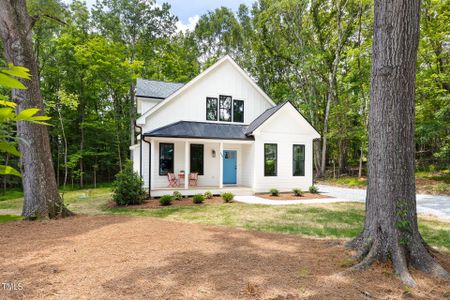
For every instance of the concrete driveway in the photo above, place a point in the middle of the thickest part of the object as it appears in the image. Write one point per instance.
(438, 206)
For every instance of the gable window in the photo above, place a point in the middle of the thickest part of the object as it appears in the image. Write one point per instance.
(238, 111)
(270, 159)
(225, 108)
(298, 160)
(211, 109)
(197, 158)
(166, 151)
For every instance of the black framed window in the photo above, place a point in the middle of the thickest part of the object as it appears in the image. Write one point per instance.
(225, 103)
(270, 159)
(238, 111)
(197, 151)
(298, 160)
(211, 109)
(166, 154)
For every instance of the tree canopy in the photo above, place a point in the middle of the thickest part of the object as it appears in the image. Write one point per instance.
(316, 54)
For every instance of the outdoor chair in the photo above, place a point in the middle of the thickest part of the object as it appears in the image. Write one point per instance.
(173, 181)
(193, 177)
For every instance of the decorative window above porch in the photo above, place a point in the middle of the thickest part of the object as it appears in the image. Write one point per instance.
(225, 108)
(211, 109)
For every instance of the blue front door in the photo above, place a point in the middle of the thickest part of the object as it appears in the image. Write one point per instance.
(229, 166)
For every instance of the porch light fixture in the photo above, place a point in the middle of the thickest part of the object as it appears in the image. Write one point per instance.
(213, 153)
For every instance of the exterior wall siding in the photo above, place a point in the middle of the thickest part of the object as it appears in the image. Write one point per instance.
(191, 104)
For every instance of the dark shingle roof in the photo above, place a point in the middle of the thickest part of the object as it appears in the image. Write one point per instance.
(262, 118)
(156, 89)
(201, 130)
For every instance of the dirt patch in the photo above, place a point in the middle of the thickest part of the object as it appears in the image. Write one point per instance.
(154, 203)
(102, 257)
(290, 196)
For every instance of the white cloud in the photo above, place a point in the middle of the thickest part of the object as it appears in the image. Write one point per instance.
(192, 21)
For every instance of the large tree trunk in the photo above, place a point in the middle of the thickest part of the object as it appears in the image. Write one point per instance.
(41, 197)
(390, 229)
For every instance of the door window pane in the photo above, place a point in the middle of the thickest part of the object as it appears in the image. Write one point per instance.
(166, 152)
(270, 159)
(299, 160)
(225, 108)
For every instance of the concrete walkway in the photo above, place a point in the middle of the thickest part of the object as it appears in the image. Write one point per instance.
(438, 206)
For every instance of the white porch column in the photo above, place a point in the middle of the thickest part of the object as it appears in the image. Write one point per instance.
(152, 164)
(221, 165)
(187, 167)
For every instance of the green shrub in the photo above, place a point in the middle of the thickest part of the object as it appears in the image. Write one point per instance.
(208, 195)
(274, 192)
(177, 195)
(166, 200)
(198, 199)
(227, 197)
(127, 187)
(297, 192)
(313, 189)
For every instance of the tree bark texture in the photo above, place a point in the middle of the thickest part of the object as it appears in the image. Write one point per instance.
(390, 229)
(41, 197)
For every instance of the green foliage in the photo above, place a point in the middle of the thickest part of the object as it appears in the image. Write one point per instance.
(127, 187)
(313, 189)
(274, 192)
(208, 195)
(198, 199)
(227, 197)
(298, 192)
(177, 195)
(166, 200)
(8, 115)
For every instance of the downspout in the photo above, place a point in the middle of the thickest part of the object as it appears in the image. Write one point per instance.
(140, 148)
(149, 159)
(149, 166)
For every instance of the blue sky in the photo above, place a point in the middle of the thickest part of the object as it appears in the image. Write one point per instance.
(189, 11)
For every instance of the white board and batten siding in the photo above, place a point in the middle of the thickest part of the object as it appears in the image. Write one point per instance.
(190, 104)
(285, 129)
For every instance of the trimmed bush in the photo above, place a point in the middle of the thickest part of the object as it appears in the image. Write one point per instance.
(177, 195)
(313, 189)
(227, 197)
(166, 200)
(127, 187)
(208, 195)
(274, 192)
(297, 192)
(198, 199)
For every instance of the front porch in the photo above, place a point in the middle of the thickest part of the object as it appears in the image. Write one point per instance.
(222, 166)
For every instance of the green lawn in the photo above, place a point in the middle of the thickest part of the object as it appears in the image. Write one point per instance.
(7, 218)
(13, 194)
(338, 220)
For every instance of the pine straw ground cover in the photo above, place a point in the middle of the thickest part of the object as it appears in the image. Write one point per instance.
(176, 257)
(110, 257)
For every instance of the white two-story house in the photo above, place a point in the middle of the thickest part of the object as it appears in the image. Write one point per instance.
(224, 129)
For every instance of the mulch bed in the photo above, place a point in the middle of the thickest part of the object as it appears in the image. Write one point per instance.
(290, 196)
(121, 257)
(154, 203)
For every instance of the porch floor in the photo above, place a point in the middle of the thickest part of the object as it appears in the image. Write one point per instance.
(238, 190)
